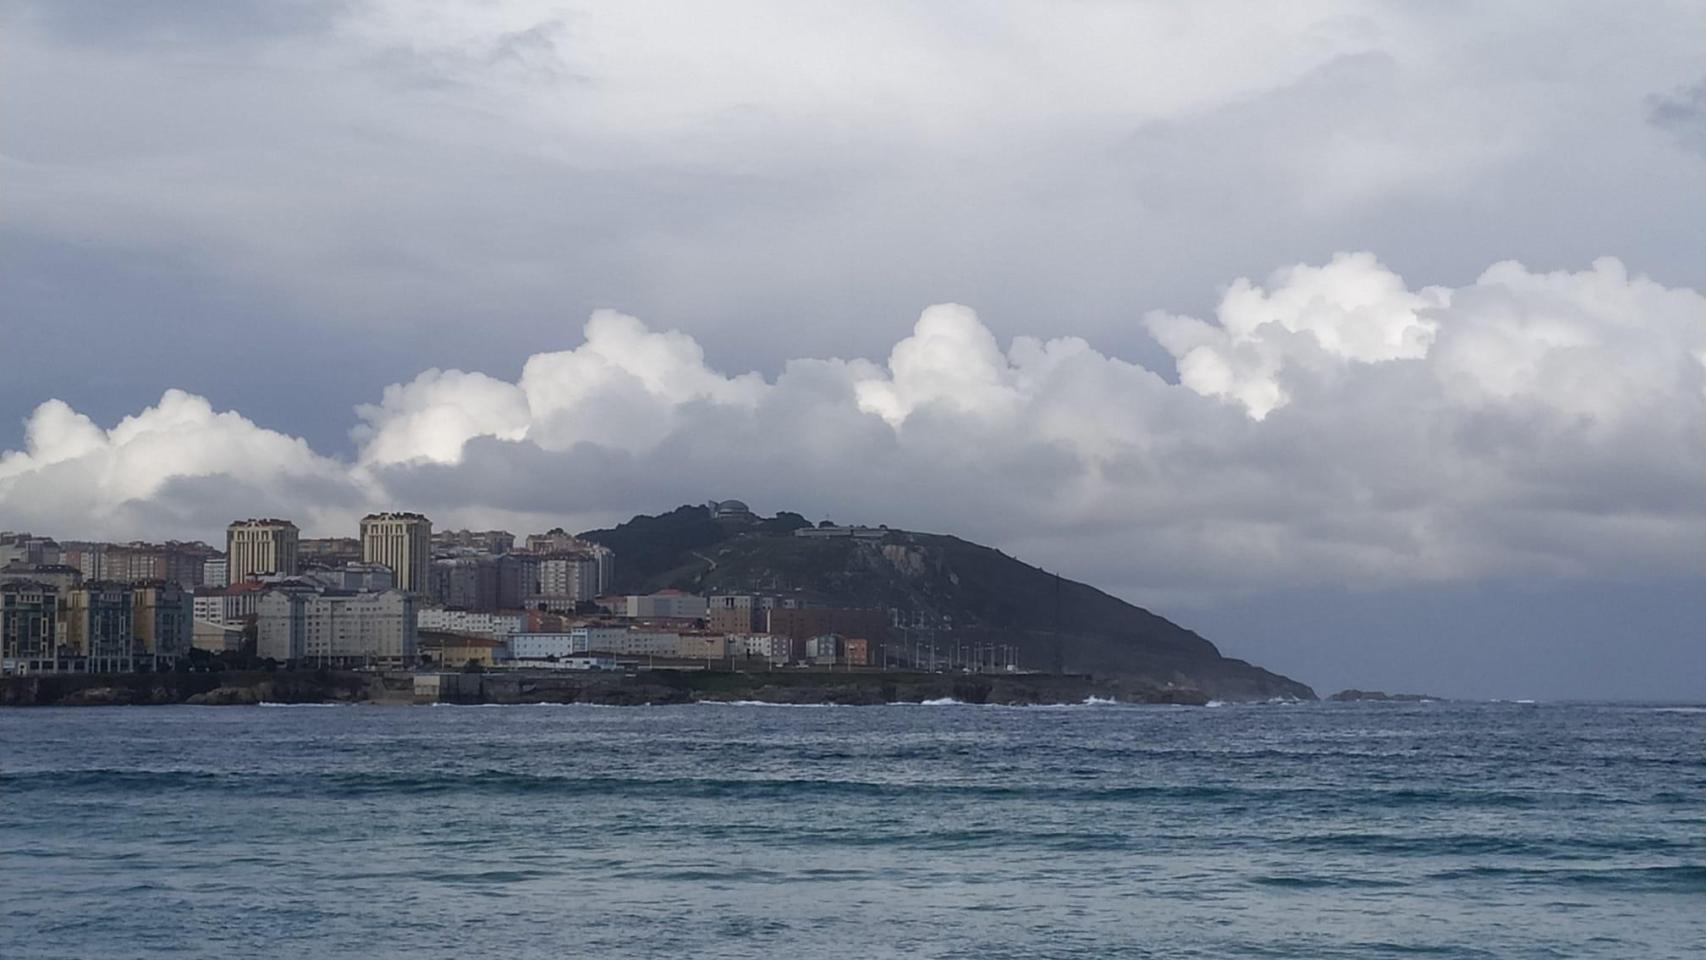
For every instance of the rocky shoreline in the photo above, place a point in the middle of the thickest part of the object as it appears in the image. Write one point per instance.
(613, 689)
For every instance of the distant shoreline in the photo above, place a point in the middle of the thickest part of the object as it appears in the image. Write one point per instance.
(639, 688)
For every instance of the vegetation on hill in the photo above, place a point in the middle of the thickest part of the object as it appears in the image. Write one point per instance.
(941, 589)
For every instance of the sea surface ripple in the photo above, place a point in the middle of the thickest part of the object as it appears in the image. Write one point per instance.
(1309, 830)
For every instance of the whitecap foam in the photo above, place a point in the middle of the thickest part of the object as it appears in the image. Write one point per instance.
(761, 703)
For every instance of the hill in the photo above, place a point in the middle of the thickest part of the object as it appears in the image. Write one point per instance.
(942, 589)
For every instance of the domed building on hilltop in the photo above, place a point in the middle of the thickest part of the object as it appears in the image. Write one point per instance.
(732, 511)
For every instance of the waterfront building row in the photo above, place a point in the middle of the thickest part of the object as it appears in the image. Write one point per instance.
(697, 645)
(96, 627)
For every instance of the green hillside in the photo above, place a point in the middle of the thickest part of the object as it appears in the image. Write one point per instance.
(940, 588)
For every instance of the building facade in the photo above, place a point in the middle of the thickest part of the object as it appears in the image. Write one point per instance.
(730, 511)
(739, 612)
(643, 643)
(226, 604)
(163, 617)
(494, 542)
(805, 622)
(467, 579)
(616, 640)
(355, 629)
(216, 637)
(354, 576)
(477, 623)
(60, 576)
(328, 551)
(856, 651)
(665, 604)
(97, 626)
(255, 547)
(17, 547)
(171, 562)
(542, 646)
(563, 581)
(516, 575)
(709, 645)
(453, 651)
(401, 541)
(763, 646)
(29, 635)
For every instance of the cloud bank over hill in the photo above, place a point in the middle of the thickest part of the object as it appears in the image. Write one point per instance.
(1331, 424)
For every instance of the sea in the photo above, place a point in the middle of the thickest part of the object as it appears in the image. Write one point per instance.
(1310, 830)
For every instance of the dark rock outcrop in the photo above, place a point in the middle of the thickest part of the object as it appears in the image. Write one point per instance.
(141, 689)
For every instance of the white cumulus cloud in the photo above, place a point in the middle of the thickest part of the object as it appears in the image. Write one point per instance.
(73, 476)
(1333, 424)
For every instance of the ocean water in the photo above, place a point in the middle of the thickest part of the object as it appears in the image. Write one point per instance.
(1319, 830)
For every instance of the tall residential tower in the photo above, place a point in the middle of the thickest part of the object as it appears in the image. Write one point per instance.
(401, 541)
(259, 546)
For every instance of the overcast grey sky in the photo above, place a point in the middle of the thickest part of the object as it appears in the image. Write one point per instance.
(1364, 337)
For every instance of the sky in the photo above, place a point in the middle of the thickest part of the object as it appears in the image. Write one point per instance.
(1365, 338)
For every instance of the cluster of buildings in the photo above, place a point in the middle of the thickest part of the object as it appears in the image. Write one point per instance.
(77, 607)
(400, 594)
(670, 627)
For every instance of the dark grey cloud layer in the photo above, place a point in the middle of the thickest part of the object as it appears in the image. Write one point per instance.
(126, 23)
(1683, 114)
(447, 187)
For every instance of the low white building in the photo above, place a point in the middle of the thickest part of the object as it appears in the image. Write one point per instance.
(581, 661)
(541, 646)
(667, 604)
(225, 604)
(620, 641)
(763, 646)
(497, 625)
(833, 532)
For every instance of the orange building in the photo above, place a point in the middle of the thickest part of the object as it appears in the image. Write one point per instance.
(856, 651)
